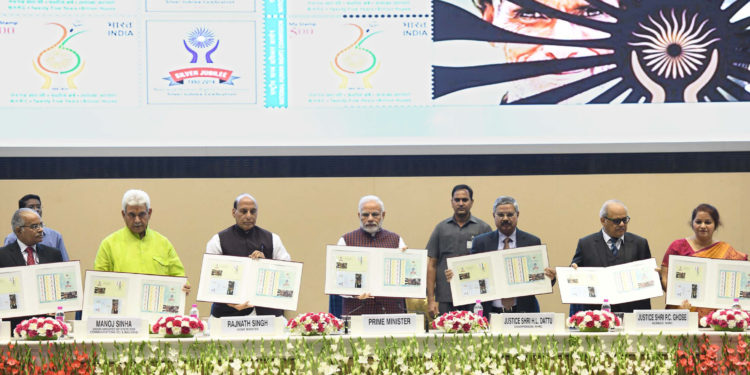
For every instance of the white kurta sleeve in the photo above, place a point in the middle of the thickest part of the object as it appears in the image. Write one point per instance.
(401, 243)
(214, 245)
(279, 252)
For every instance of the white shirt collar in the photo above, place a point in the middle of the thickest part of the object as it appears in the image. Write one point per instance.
(608, 237)
(23, 246)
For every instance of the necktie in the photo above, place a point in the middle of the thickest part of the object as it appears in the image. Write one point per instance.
(613, 246)
(30, 256)
(507, 302)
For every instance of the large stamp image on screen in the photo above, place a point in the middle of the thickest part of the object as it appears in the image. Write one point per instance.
(595, 51)
(201, 62)
(58, 61)
(359, 61)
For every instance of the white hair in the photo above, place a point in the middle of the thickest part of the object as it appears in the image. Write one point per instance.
(605, 206)
(371, 198)
(17, 220)
(244, 195)
(135, 197)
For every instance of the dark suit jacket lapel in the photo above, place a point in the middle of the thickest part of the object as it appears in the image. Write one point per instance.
(605, 253)
(492, 238)
(522, 238)
(15, 254)
(626, 248)
(44, 254)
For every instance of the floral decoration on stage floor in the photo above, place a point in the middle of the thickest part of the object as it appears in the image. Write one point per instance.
(460, 322)
(309, 324)
(177, 326)
(41, 328)
(727, 320)
(594, 321)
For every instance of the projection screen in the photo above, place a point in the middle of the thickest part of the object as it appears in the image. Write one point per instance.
(365, 77)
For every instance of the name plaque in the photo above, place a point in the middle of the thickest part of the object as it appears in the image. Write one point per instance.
(527, 322)
(111, 326)
(387, 323)
(660, 320)
(250, 325)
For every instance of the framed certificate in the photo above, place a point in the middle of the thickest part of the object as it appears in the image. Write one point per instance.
(499, 274)
(262, 282)
(40, 289)
(619, 284)
(705, 282)
(133, 295)
(382, 272)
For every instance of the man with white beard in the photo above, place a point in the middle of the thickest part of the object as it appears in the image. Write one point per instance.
(371, 214)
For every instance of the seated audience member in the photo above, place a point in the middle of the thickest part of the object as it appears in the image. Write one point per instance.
(52, 238)
(246, 239)
(704, 221)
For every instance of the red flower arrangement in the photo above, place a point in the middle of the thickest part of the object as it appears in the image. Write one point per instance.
(41, 328)
(177, 326)
(593, 321)
(314, 324)
(727, 320)
(460, 322)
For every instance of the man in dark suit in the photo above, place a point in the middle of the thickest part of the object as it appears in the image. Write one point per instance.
(27, 250)
(507, 236)
(609, 247)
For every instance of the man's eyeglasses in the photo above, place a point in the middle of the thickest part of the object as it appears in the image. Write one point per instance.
(34, 226)
(373, 214)
(619, 221)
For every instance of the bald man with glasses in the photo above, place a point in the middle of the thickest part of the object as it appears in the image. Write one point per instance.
(610, 246)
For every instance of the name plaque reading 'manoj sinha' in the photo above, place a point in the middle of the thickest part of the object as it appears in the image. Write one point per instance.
(527, 322)
(387, 323)
(120, 327)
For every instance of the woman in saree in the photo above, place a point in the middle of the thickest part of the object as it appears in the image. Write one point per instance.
(704, 221)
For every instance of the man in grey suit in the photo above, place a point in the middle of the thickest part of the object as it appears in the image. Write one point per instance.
(27, 250)
(507, 236)
(609, 247)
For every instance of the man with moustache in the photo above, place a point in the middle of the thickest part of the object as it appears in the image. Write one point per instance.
(451, 237)
(507, 236)
(136, 248)
(609, 247)
(27, 225)
(246, 239)
(371, 214)
(52, 238)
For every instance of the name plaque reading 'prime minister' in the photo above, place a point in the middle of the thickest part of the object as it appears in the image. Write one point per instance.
(387, 323)
(121, 327)
(527, 322)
